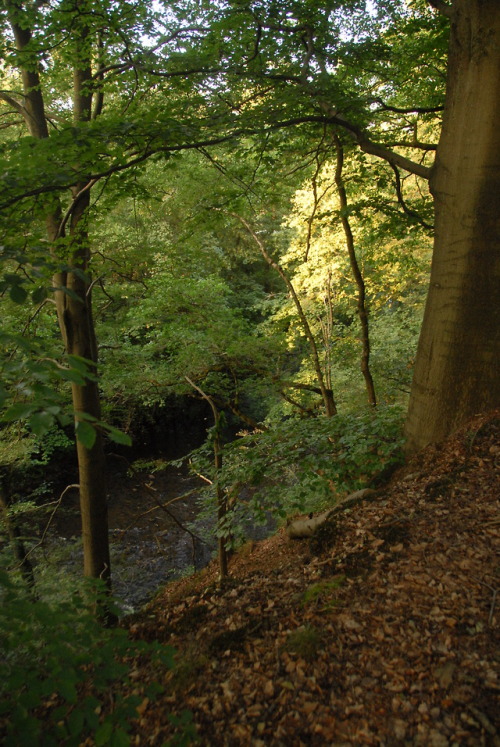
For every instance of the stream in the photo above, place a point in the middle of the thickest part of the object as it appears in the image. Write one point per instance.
(149, 545)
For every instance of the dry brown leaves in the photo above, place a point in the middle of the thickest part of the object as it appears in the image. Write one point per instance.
(388, 637)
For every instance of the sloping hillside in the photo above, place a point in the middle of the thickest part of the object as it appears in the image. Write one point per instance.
(383, 629)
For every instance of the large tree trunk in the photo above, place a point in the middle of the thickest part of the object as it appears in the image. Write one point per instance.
(457, 367)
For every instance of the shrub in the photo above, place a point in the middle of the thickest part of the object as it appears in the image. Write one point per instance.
(59, 672)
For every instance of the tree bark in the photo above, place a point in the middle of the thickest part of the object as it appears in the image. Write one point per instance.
(357, 274)
(457, 366)
(74, 310)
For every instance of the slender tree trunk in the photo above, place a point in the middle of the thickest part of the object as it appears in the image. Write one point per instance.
(14, 534)
(79, 332)
(356, 271)
(222, 503)
(74, 309)
(326, 393)
(457, 370)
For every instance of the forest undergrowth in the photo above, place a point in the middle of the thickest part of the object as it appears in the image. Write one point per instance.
(381, 630)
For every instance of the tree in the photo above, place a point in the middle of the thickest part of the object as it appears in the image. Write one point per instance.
(456, 371)
(56, 87)
(73, 287)
(73, 70)
(362, 312)
(350, 78)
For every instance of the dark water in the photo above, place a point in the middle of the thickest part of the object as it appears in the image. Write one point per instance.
(149, 545)
(157, 528)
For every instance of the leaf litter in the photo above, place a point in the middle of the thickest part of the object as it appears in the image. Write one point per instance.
(387, 636)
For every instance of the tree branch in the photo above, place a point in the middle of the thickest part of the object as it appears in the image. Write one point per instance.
(376, 149)
(403, 204)
(411, 110)
(328, 399)
(331, 117)
(11, 101)
(442, 7)
(412, 144)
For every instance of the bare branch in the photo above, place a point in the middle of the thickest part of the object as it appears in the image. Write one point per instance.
(376, 149)
(51, 517)
(328, 399)
(411, 110)
(412, 144)
(69, 211)
(11, 101)
(163, 507)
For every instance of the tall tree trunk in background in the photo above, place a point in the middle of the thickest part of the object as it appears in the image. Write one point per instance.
(74, 308)
(457, 371)
(356, 271)
(77, 327)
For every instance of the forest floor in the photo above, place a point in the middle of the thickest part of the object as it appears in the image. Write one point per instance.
(382, 630)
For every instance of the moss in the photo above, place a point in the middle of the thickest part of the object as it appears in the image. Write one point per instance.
(321, 592)
(305, 642)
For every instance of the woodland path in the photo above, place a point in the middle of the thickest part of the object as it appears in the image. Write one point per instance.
(383, 631)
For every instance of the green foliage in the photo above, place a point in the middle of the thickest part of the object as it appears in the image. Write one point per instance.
(305, 464)
(300, 465)
(31, 392)
(215, 112)
(53, 442)
(187, 733)
(59, 672)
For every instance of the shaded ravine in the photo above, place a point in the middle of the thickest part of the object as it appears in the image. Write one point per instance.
(148, 546)
(151, 545)
(156, 535)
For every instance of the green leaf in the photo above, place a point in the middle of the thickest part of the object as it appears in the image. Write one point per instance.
(87, 417)
(104, 733)
(69, 374)
(18, 411)
(80, 363)
(86, 434)
(39, 294)
(18, 294)
(119, 437)
(119, 738)
(67, 689)
(41, 422)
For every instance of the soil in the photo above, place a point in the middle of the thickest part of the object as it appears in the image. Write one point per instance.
(384, 633)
